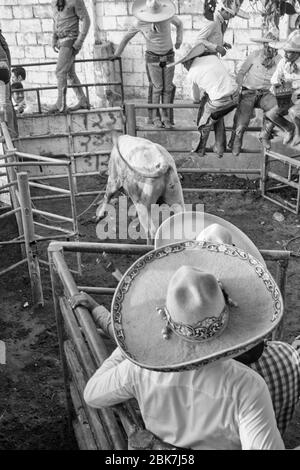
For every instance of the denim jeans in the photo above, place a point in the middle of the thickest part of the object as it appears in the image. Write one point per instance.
(249, 100)
(161, 78)
(65, 69)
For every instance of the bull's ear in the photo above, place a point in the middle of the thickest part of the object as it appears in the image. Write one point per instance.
(209, 9)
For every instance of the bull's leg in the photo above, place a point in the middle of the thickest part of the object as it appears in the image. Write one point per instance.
(111, 189)
(144, 214)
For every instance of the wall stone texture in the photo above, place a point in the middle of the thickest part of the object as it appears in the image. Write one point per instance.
(27, 26)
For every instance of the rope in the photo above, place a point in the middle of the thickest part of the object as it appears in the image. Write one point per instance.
(286, 246)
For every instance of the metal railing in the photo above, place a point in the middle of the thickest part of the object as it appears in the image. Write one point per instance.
(87, 86)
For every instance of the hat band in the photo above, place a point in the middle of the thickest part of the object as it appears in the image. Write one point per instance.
(205, 330)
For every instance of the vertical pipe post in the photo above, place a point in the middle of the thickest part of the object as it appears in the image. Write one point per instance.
(29, 238)
(74, 215)
(130, 115)
(60, 334)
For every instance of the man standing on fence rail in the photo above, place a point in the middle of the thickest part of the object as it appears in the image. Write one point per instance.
(154, 19)
(67, 41)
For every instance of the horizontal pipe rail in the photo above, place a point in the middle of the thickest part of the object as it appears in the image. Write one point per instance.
(66, 134)
(49, 188)
(52, 216)
(7, 214)
(77, 61)
(97, 290)
(51, 227)
(41, 158)
(13, 266)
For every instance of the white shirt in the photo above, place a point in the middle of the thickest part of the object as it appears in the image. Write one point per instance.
(253, 74)
(282, 73)
(210, 74)
(226, 404)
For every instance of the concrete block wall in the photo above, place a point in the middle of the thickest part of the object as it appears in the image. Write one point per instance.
(27, 26)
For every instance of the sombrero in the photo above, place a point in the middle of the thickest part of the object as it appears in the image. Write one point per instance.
(188, 225)
(159, 308)
(153, 11)
(268, 37)
(233, 7)
(292, 44)
(196, 51)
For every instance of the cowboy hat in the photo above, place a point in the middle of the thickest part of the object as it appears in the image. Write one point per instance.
(196, 51)
(292, 44)
(190, 225)
(267, 37)
(233, 7)
(169, 314)
(153, 11)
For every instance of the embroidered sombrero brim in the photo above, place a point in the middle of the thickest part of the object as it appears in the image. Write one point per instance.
(187, 226)
(142, 290)
(285, 45)
(263, 40)
(167, 11)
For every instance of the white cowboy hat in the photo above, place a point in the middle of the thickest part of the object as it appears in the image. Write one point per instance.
(196, 51)
(193, 303)
(233, 7)
(267, 37)
(292, 44)
(153, 11)
(197, 225)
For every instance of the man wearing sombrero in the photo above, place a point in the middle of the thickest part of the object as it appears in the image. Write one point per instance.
(154, 20)
(254, 79)
(179, 316)
(288, 74)
(277, 362)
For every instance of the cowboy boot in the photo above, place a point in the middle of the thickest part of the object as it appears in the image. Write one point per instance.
(267, 134)
(61, 104)
(284, 124)
(238, 141)
(220, 138)
(204, 134)
(296, 140)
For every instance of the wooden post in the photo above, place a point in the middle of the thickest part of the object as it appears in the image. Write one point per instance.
(130, 116)
(29, 238)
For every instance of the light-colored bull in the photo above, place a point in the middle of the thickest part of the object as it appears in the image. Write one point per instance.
(147, 173)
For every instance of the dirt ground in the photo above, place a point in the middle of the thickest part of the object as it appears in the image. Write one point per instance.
(32, 400)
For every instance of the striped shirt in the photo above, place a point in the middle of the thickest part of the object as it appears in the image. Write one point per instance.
(279, 365)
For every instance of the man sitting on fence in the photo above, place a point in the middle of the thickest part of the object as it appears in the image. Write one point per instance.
(154, 20)
(286, 78)
(67, 41)
(7, 112)
(215, 91)
(177, 332)
(277, 362)
(254, 78)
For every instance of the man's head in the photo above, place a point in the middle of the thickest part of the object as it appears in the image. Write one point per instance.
(291, 56)
(226, 14)
(18, 74)
(17, 92)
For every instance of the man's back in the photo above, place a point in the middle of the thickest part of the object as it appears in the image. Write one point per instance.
(223, 405)
(210, 74)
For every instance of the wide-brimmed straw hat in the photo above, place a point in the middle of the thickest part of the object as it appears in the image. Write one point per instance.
(233, 7)
(153, 11)
(267, 37)
(192, 303)
(196, 51)
(292, 44)
(202, 226)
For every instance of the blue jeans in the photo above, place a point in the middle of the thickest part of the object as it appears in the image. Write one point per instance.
(65, 68)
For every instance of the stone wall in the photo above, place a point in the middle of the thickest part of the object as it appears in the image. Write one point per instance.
(27, 26)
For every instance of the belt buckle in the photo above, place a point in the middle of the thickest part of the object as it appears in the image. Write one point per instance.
(163, 58)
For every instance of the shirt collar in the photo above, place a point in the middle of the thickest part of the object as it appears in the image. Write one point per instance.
(219, 17)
